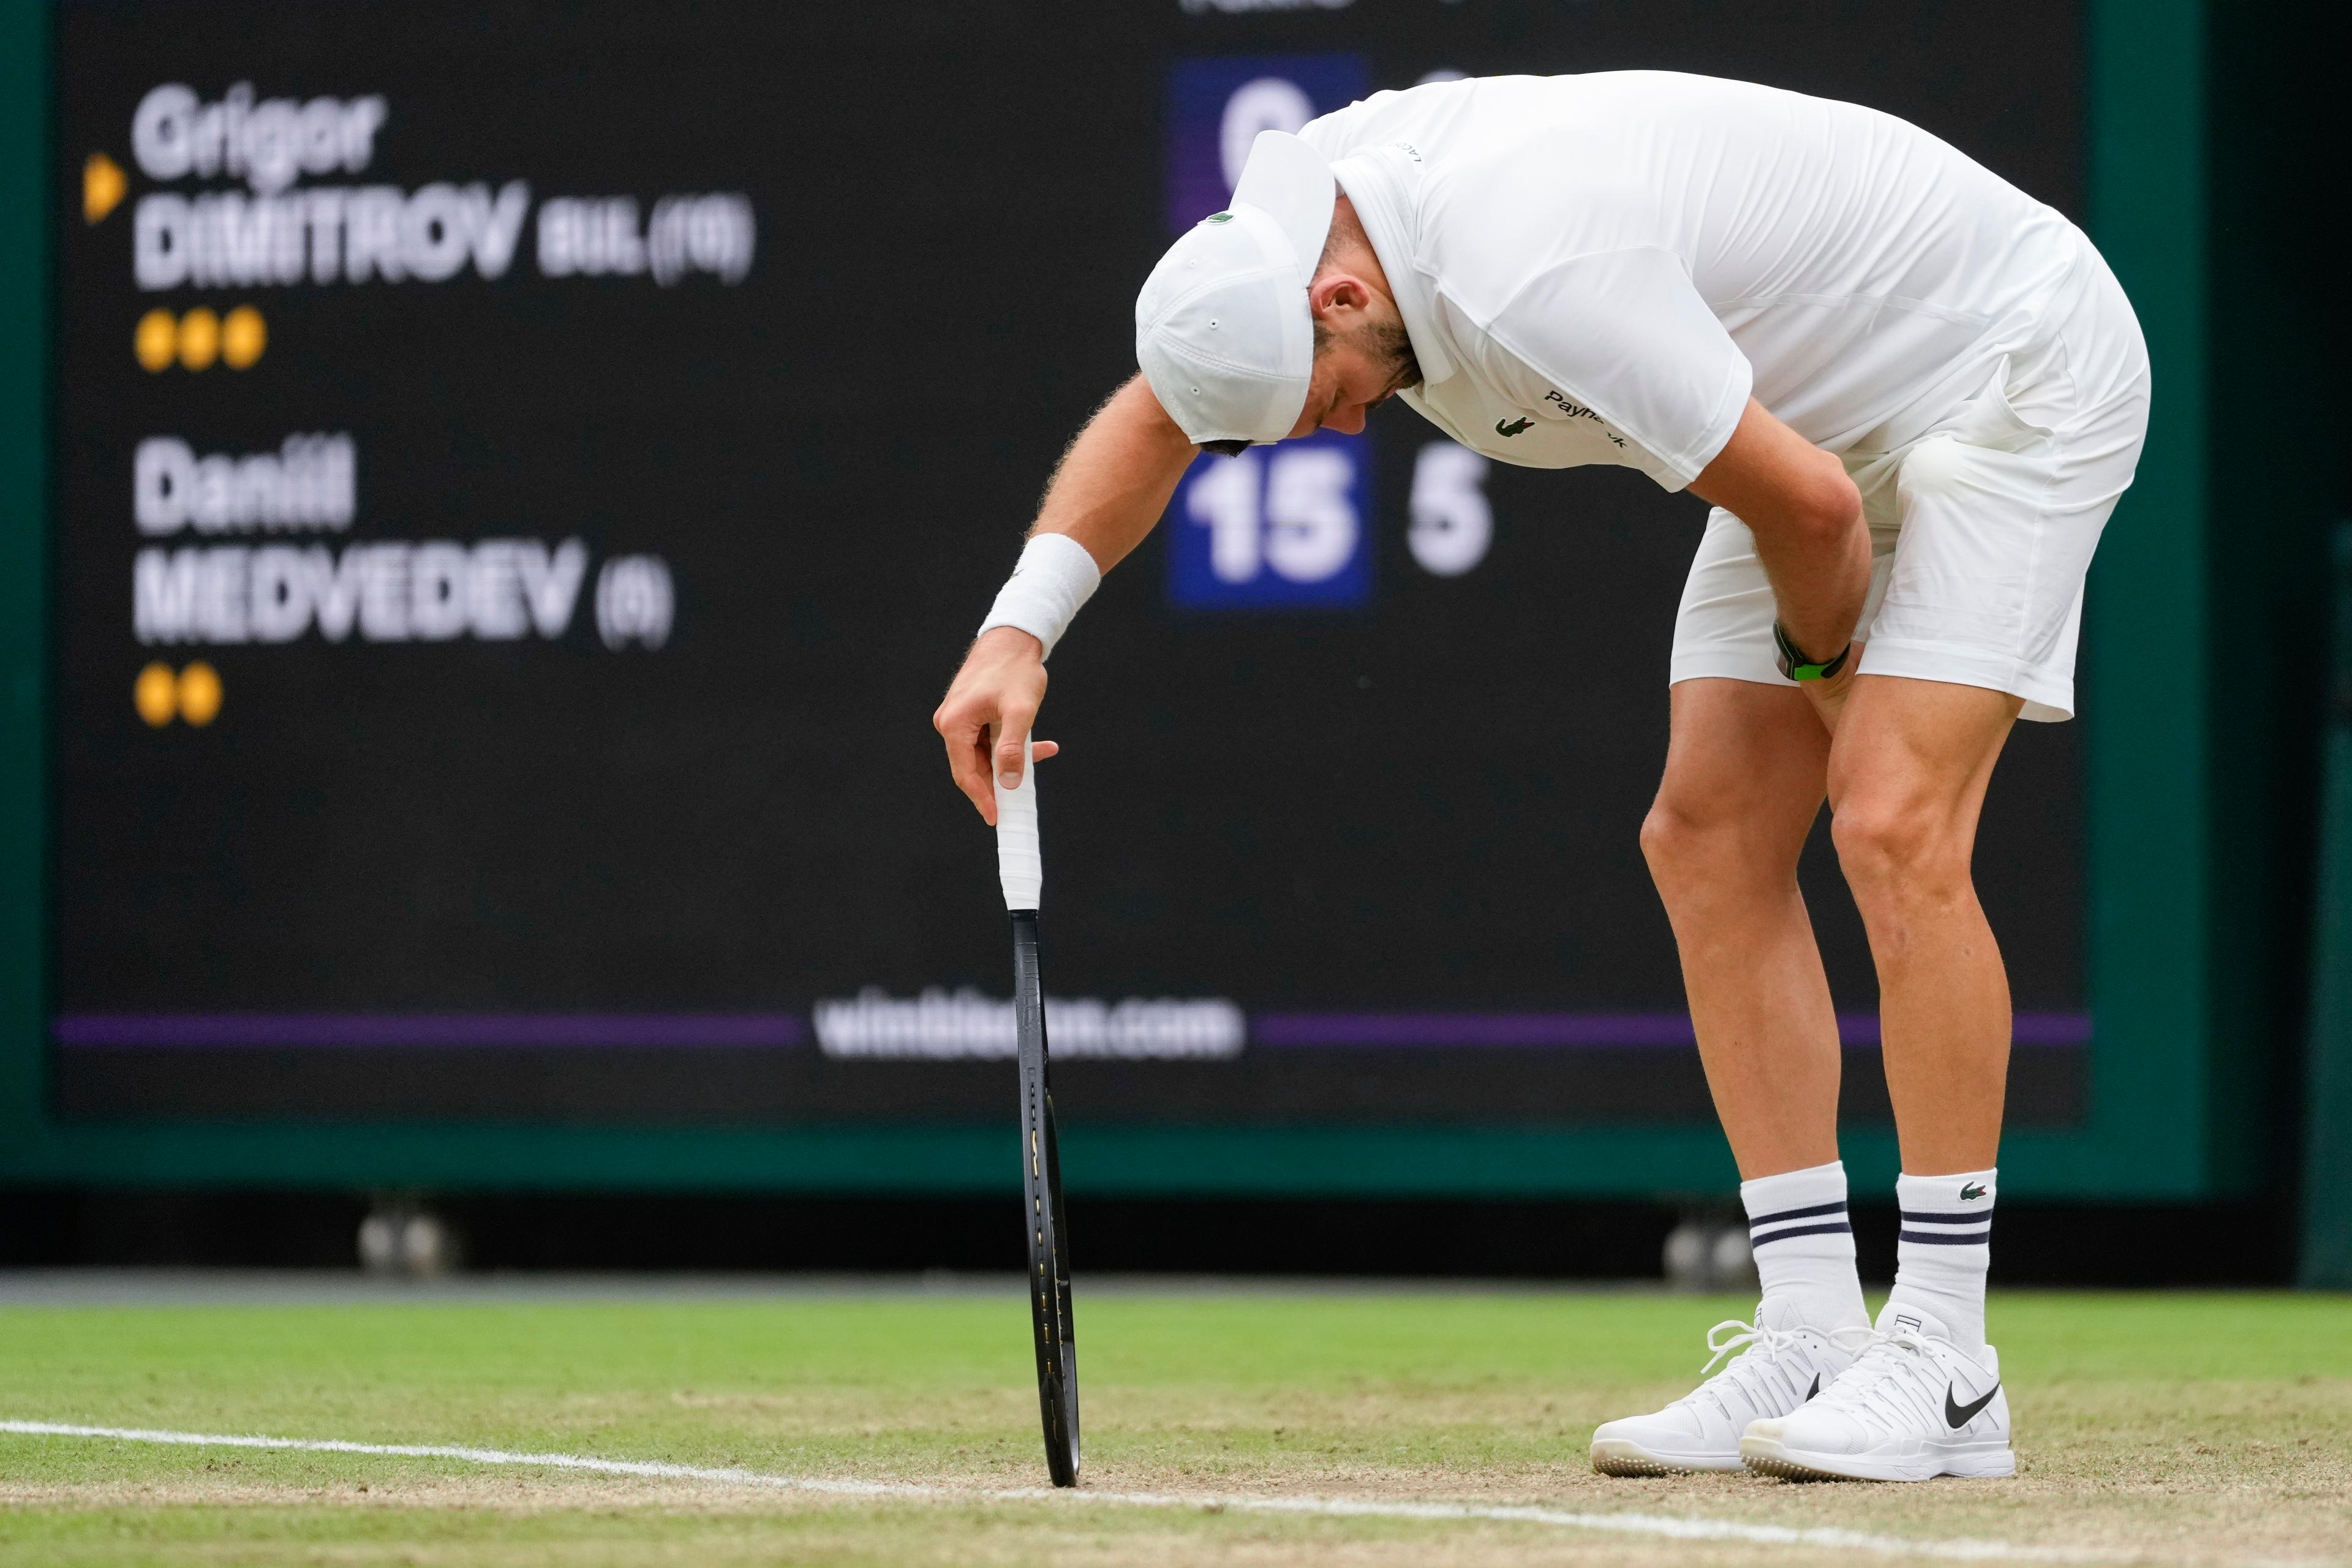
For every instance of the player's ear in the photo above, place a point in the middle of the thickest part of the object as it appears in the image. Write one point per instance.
(1336, 291)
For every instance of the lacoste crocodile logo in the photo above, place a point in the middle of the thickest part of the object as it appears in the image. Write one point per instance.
(1956, 1414)
(1971, 1193)
(1511, 427)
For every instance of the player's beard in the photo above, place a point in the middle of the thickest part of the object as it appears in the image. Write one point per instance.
(1385, 343)
(1390, 347)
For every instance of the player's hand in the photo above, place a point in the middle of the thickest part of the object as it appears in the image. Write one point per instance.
(1828, 696)
(988, 708)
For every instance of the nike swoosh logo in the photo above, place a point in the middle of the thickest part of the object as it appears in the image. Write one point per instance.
(1956, 1414)
(1816, 1388)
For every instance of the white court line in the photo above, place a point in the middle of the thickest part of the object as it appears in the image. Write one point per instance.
(1668, 1525)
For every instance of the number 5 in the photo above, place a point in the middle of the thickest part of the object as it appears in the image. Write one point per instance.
(1452, 522)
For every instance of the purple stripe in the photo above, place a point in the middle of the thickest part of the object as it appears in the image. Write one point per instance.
(2050, 1029)
(1577, 1029)
(2024, 1028)
(1470, 1029)
(430, 1029)
(1267, 1030)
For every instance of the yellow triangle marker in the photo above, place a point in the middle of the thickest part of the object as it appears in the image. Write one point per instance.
(103, 186)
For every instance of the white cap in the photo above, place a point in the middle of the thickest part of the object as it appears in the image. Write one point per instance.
(1222, 328)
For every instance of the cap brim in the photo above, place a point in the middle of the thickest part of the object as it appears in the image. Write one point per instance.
(1290, 182)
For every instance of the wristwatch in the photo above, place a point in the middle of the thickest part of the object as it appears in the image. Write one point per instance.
(1797, 667)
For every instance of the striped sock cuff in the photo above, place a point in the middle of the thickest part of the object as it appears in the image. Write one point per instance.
(1804, 1246)
(1945, 1211)
(1815, 1219)
(1937, 1228)
(1943, 1250)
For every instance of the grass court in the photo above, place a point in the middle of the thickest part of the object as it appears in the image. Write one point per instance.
(2162, 1428)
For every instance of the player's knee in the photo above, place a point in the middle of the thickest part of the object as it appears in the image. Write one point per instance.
(1669, 839)
(1897, 851)
(1685, 848)
(1673, 840)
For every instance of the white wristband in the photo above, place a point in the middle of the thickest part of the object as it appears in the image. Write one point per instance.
(1054, 576)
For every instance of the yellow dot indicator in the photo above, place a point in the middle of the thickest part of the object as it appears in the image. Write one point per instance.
(156, 694)
(103, 187)
(243, 337)
(200, 694)
(199, 339)
(157, 342)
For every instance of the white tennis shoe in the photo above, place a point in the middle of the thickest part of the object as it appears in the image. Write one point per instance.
(1772, 1371)
(1914, 1405)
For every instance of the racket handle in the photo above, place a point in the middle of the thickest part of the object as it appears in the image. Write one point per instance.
(1019, 866)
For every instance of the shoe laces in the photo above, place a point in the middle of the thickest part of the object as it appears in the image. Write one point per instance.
(1756, 1362)
(1893, 1381)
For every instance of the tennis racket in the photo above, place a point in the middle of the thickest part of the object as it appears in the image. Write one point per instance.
(1022, 870)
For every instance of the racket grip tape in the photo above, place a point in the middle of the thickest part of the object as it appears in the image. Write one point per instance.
(1019, 865)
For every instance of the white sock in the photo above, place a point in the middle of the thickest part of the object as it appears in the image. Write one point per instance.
(1944, 1247)
(1805, 1249)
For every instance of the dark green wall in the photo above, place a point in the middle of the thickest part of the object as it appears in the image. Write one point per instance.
(2326, 1250)
(2147, 760)
(2274, 409)
(24, 534)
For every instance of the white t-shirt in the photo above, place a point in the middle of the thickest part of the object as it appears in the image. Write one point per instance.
(1603, 269)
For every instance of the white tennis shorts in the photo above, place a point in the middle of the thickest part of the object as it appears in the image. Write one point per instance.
(1980, 529)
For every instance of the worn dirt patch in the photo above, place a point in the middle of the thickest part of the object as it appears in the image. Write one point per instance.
(2245, 1508)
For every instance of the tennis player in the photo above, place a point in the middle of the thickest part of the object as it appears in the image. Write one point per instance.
(1912, 394)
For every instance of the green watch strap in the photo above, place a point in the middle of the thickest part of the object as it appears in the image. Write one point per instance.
(1797, 667)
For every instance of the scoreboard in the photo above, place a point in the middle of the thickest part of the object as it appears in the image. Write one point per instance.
(523, 476)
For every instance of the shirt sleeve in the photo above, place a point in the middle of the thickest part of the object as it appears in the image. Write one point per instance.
(1625, 334)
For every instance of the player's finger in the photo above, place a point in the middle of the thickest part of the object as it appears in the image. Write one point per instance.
(1040, 750)
(968, 765)
(975, 778)
(1009, 734)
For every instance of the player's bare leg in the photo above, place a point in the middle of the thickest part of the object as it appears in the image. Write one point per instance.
(1907, 777)
(1745, 771)
(1747, 768)
(1906, 783)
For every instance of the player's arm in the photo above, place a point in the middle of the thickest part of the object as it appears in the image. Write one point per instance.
(1115, 480)
(1630, 327)
(1111, 486)
(1806, 516)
